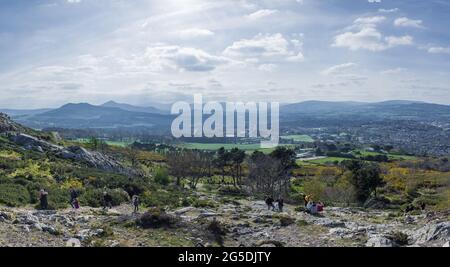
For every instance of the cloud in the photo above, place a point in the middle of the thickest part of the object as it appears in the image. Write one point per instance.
(272, 47)
(374, 1)
(261, 14)
(339, 69)
(73, 1)
(393, 71)
(368, 37)
(393, 41)
(406, 22)
(370, 20)
(392, 10)
(439, 50)
(183, 58)
(194, 33)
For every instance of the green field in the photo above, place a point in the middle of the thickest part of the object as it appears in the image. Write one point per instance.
(249, 148)
(391, 156)
(298, 138)
(322, 161)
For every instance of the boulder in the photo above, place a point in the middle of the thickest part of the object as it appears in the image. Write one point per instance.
(432, 232)
(379, 242)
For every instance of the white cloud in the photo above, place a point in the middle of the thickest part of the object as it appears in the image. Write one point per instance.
(439, 50)
(183, 58)
(339, 69)
(392, 10)
(268, 67)
(393, 71)
(393, 41)
(261, 14)
(73, 1)
(265, 47)
(406, 22)
(370, 20)
(368, 37)
(374, 1)
(194, 33)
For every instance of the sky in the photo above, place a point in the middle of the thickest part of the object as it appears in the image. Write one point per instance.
(53, 52)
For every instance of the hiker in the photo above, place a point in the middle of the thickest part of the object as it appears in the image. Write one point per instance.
(311, 208)
(107, 200)
(320, 206)
(280, 202)
(269, 203)
(423, 206)
(75, 203)
(73, 196)
(43, 198)
(307, 199)
(135, 200)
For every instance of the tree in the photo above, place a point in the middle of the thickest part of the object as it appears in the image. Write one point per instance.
(263, 177)
(222, 161)
(365, 177)
(237, 156)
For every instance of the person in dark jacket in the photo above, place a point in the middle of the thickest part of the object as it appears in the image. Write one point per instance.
(280, 202)
(107, 200)
(269, 203)
(43, 199)
(73, 197)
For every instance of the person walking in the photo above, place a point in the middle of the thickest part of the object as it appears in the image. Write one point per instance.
(136, 202)
(43, 199)
(107, 200)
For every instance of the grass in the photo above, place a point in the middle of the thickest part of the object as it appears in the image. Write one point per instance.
(110, 143)
(364, 153)
(299, 138)
(323, 161)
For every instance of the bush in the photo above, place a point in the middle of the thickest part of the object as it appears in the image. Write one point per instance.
(94, 197)
(203, 203)
(286, 221)
(163, 198)
(162, 176)
(156, 218)
(14, 195)
(399, 238)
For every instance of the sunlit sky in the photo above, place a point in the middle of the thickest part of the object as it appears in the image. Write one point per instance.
(57, 51)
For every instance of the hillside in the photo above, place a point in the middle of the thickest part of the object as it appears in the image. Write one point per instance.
(194, 207)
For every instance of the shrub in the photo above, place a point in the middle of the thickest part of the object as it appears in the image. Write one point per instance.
(162, 176)
(204, 203)
(14, 195)
(156, 218)
(399, 238)
(286, 221)
(94, 197)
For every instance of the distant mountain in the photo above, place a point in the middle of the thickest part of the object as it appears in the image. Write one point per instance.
(23, 112)
(128, 107)
(84, 115)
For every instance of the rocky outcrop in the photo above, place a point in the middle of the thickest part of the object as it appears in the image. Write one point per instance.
(92, 159)
(439, 232)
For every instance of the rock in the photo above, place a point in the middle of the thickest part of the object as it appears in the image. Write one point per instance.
(433, 232)
(207, 214)
(88, 233)
(446, 245)
(329, 223)
(183, 210)
(379, 241)
(50, 230)
(29, 219)
(341, 232)
(4, 216)
(33, 143)
(73, 242)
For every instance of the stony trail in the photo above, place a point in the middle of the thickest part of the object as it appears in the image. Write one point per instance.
(248, 223)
